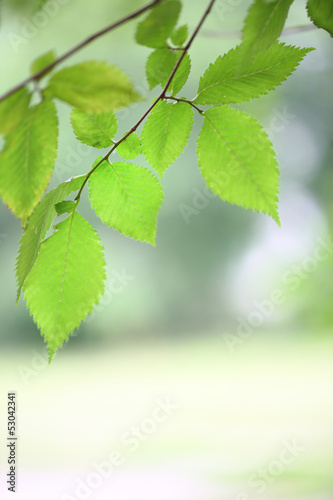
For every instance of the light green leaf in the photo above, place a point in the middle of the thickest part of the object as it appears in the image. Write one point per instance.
(38, 225)
(65, 207)
(94, 130)
(130, 148)
(42, 62)
(66, 281)
(28, 158)
(13, 109)
(159, 66)
(321, 14)
(127, 197)
(165, 134)
(159, 24)
(179, 36)
(222, 83)
(237, 160)
(93, 86)
(181, 76)
(263, 25)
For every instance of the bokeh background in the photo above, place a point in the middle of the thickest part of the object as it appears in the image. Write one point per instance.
(229, 318)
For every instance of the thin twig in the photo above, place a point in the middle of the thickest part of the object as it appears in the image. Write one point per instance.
(292, 30)
(78, 47)
(159, 98)
(184, 100)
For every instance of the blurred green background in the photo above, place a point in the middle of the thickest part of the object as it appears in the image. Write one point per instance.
(229, 315)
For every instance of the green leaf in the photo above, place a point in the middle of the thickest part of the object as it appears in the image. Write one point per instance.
(94, 130)
(130, 148)
(159, 66)
(65, 207)
(13, 109)
(263, 25)
(28, 159)
(181, 76)
(127, 197)
(165, 134)
(66, 281)
(38, 225)
(93, 86)
(222, 83)
(159, 24)
(180, 35)
(321, 14)
(237, 160)
(42, 62)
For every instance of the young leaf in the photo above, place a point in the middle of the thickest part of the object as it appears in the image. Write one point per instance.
(181, 76)
(179, 36)
(263, 25)
(321, 14)
(165, 134)
(222, 83)
(159, 66)
(42, 61)
(127, 197)
(65, 207)
(66, 281)
(93, 86)
(159, 24)
(13, 109)
(237, 160)
(38, 225)
(94, 130)
(130, 148)
(28, 158)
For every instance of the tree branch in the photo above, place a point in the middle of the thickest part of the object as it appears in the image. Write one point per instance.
(78, 47)
(159, 98)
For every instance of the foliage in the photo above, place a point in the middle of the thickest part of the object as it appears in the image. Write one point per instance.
(62, 273)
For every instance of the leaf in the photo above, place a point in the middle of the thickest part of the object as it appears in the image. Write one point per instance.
(180, 35)
(94, 130)
(223, 84)
(42, 62)
(127, 197)
(38, 225)
(159, 66)
(237, 160)
(66, 281)
(28, 158)
(165, 134)
(159, 24)
(130, 148)
(263, 25)
(39, 4)
(321, 14)
(13, 109)
(93, 86)
(181, 76)
(65, 207)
